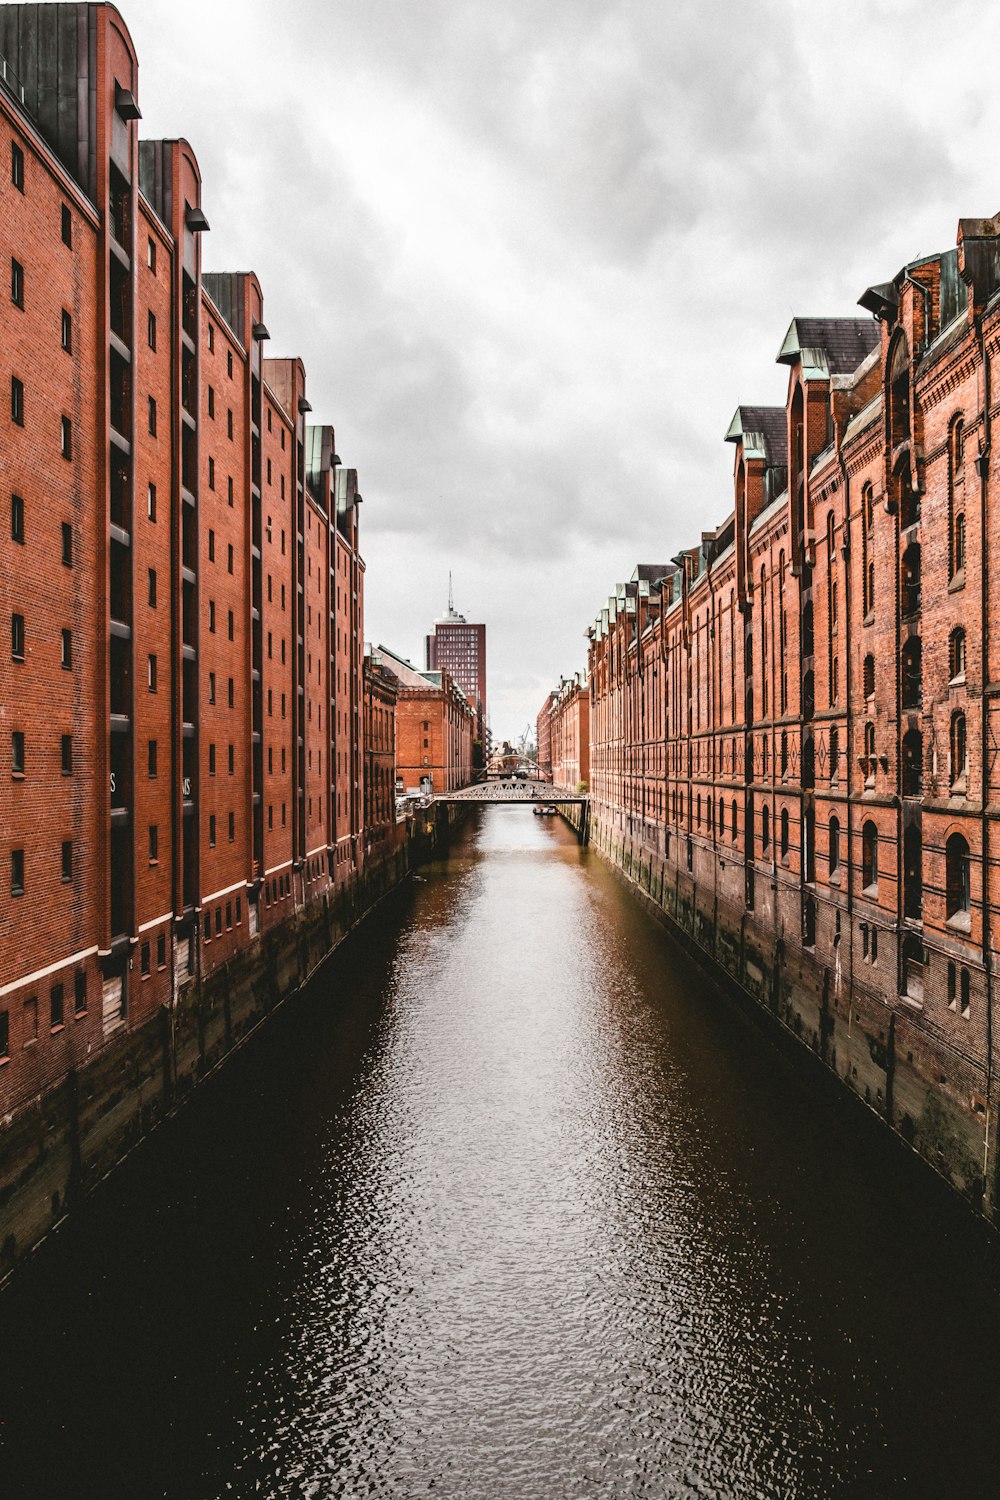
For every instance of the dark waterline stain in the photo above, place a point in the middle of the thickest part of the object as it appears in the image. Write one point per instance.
(508, 1203)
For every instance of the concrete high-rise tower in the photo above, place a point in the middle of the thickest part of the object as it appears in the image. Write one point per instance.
(458, 646)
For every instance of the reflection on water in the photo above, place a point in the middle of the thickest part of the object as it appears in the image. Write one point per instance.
(509, 1204)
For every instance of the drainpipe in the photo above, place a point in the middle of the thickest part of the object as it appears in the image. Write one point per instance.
(845, 553)
(983, 468)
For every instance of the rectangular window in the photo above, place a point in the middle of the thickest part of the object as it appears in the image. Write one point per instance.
(270, 816)
(67, 331)
(229, 915)
(218, 920)
(151, 674)
(151, 254)
(229, 421)
(211, 401)
(80, 993)
(239, 910)
(56, 1007)
(229, 562)
(229, 484)
(154, 843)
(17, 400)
(211, 473)
(17, 518)
(144, 966)
(30, 1020)
(152, 417)
(211, 616)
(17, 752)
(17, 637)
(269, 471)
(232, 624)
(67, 859)
(151, 330)
(67, 226)
(161, 951)
(208, 927)
(232, 828)
(232, 693)
(211, 687)
(211, 545)
(67, 754)
(152, 588)
(17, 283)
(229, 363)
(67, 650)
(67, 544)
(17, 166)
(211, 760)
(4, 1034)
(211, 831)
(232, 760)
(151, 759)
(151, 502)
(17, 872)
(66, 438)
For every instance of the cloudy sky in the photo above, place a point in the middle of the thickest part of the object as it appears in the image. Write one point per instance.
(534, 254)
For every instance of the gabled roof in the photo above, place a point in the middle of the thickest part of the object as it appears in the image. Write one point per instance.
(828, 346)
(764, 431)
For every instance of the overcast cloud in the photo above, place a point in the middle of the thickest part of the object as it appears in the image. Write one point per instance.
(534, 254)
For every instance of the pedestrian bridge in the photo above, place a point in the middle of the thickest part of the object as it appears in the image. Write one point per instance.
(514, 790)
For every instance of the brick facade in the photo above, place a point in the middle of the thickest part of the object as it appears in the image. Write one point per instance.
(793, 723)
(180, 672)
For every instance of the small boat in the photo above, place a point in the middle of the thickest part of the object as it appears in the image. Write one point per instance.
(544, 812)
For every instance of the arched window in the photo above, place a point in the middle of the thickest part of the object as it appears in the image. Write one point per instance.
(831, 544)
(913, 873)
(956, 496)
(869, 760)
(808, 695)
(807, 629)
(965, 993)
(808, 762)
(834, 848)
(959, 751)
(913, 763)
(911, 683)
(867, 549)
(765, 828)
(869, 858)
(958, 894)
(784, 752)
(834, 681)
(958, 544)
(834, 753)
(784, 832)
(868, 676)
(956, 654)
(722, 819)
(735, 822)
(809, 842)
(699, 809)
(871, 589)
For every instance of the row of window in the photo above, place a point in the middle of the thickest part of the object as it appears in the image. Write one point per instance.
(18, 643)
(18, 879)
(57, 1014)
(17, 416)
(17, 178)
(229, 923)
(17, 754)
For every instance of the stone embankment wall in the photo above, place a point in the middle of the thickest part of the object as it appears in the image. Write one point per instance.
(58, 1147)
(932, 1097)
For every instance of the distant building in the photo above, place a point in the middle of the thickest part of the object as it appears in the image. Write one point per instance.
(564, 733)
(379, 739)
(459, 647)
(435, 726)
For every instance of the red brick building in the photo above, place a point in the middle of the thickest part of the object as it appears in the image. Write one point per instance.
(793, 723)
(180, 679)
(563, 728)
(435, 729)
(379, 740)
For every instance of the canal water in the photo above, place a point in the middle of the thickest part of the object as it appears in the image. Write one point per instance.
(509, 1204)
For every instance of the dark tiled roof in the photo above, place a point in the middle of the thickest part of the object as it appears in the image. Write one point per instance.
(846, 342)
(772, 421)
